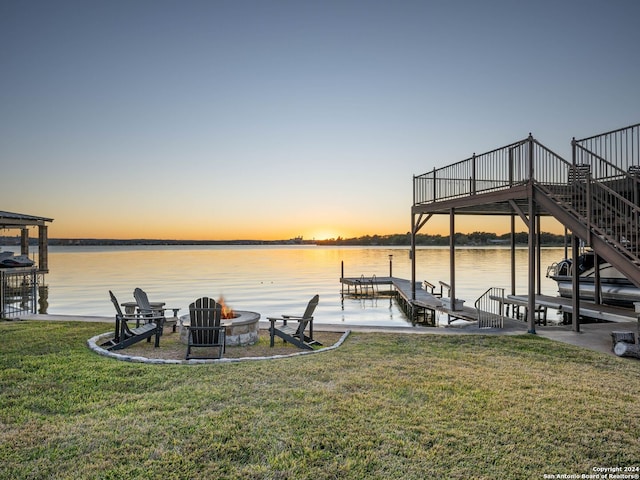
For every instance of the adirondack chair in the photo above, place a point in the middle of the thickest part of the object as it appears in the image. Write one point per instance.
(145, 308)
(295, 334)
(125, 336)
(205, 329)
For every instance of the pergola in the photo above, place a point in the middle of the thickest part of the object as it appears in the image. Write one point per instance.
(22, 222)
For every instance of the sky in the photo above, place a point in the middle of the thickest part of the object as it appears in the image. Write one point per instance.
(273, 119)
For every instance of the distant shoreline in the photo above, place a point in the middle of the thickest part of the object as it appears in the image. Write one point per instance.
(462, 239)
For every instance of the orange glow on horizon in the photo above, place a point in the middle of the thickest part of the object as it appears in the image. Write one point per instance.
(158, 227)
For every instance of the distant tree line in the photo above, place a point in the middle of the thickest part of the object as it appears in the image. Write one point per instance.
(399, 239)
(68, 242)
(465, 239)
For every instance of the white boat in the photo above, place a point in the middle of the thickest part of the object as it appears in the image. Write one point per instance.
(9, 260)
(615, 288)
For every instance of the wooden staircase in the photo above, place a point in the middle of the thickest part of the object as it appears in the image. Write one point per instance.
(600, 202)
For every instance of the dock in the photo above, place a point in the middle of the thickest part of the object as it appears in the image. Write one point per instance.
(422, 309)
(599, 312)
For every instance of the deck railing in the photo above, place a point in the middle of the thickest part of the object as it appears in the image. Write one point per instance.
(600, 186)
(499, 169)
(495, 170)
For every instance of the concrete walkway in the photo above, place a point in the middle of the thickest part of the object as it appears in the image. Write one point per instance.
(594, 336)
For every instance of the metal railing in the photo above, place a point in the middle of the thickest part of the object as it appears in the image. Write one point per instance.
(604, 193)
(18, 291)
(495, 170)
(500, 169)
(489, 307)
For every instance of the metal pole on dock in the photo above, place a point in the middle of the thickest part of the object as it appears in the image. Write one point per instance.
(390, 266)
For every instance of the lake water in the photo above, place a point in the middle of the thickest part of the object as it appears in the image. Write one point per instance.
(271, 280)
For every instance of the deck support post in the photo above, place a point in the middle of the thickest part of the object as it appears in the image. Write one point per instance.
(413, 257)
(575, 297)
(597, 284)
(513, 254)
(452, 257)
(532, 264)
(538, 256)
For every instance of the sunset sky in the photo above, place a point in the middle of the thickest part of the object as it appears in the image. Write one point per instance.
(271, 119)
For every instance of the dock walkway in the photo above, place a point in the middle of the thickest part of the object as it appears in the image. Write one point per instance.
(564, 305)
(422, 309)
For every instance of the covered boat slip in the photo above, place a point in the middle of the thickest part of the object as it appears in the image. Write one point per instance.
(19, 286)
(596, 196)
(22, 222)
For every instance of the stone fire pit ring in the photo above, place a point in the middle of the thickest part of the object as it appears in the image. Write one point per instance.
(240, 331)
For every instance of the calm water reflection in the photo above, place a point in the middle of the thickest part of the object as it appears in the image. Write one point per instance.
(269, 279)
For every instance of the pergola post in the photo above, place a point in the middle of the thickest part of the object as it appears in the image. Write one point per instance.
(43, 246)
(24, 241)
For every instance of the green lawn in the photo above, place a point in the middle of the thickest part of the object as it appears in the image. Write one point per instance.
(380, 406)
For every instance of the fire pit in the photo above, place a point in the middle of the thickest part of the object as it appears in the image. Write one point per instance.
(240, 330)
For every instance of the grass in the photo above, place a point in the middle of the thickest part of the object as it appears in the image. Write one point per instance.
(380, 406)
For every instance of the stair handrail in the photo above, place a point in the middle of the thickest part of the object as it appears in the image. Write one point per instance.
(621, 145)
(593, 192)
(620, 172)
(489, 309)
